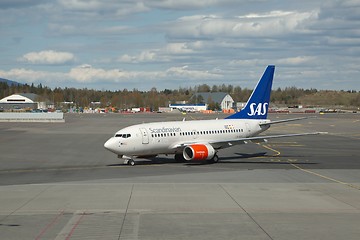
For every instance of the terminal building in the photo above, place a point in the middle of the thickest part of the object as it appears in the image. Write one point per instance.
(24, 101)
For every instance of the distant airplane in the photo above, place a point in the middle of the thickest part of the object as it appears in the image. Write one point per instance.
(200, 140)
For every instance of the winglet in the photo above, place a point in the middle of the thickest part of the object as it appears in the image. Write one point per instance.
(257, 105)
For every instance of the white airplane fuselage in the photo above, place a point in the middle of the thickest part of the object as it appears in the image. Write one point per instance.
(170, 137)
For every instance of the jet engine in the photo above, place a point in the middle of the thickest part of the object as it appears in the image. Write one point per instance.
(198, 152)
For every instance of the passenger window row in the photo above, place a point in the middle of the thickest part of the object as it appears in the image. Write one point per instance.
(198, 133)
(211, 132)
(163, 135)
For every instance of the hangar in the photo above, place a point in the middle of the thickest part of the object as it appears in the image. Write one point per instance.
(24, 101)
(224, 100)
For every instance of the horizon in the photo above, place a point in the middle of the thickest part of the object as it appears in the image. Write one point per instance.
(187, 88)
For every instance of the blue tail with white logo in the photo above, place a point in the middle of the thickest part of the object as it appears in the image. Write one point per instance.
(258, 104)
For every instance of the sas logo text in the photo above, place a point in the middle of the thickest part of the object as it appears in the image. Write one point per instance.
(259, 110)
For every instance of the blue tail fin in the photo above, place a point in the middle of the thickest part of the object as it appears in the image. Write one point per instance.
(257, 105)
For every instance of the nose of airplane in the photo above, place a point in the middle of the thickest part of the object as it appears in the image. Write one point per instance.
(111, 145)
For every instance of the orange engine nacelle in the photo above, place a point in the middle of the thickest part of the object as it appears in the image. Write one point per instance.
(198, 152)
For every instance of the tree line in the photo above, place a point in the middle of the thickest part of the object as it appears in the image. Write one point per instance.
(125, 99)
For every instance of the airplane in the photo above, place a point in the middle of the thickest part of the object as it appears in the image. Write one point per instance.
(200, 140)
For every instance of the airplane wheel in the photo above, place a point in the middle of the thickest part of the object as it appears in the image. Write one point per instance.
(131, 162)
(215, 159)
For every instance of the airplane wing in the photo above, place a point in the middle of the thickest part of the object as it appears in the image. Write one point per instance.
(230, 143)
(257, 139)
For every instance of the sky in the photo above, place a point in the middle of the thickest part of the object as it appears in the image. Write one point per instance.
(167, 44)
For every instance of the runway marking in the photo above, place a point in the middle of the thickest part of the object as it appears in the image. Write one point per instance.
(75, 226)
(126, 212)
(27, 202)
(70, 227)
(247, 213)
(271, 149)
(325, 177)
(52, 223)
(312, 172)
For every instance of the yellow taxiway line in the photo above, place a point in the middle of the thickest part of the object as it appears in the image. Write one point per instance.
(312, 172)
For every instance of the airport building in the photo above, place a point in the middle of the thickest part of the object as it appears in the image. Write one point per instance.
(224, 100)
(184, 107)
(24, 101)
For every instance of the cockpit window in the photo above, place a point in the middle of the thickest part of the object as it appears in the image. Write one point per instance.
(123, 135)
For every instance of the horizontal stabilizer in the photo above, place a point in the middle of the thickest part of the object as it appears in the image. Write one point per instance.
(284, 120)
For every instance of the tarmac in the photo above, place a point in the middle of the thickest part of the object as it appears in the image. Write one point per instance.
(58, 182)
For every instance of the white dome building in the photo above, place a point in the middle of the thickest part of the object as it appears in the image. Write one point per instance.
(23, 101)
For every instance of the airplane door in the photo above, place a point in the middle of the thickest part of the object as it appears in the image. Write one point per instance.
(145, 136)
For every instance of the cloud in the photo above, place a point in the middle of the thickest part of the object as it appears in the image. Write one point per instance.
(4, 4)
(31, 76)
(49, 57)
(165, 54)
(87, 74)
(86, 30)
(189, 4)
(144, 56)
(137, 7)
(268, 24)
(296, 61)
(217, 39)
(104, 8)
(81, 5)
(185, 73)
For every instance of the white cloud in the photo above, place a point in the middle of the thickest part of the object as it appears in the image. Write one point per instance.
(80, 5)
(31, 76)
(184, 72)
(164, 54)
(143, 57)
(178, 48)
(188, 4)
(274, 23)
(108, 7)
(48, 57)
(138, 7)
(87, 74)
(64, 29)
(299, 60)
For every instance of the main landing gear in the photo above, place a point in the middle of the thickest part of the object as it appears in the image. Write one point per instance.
(180, 158)
(215, 159)
(127, 160)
